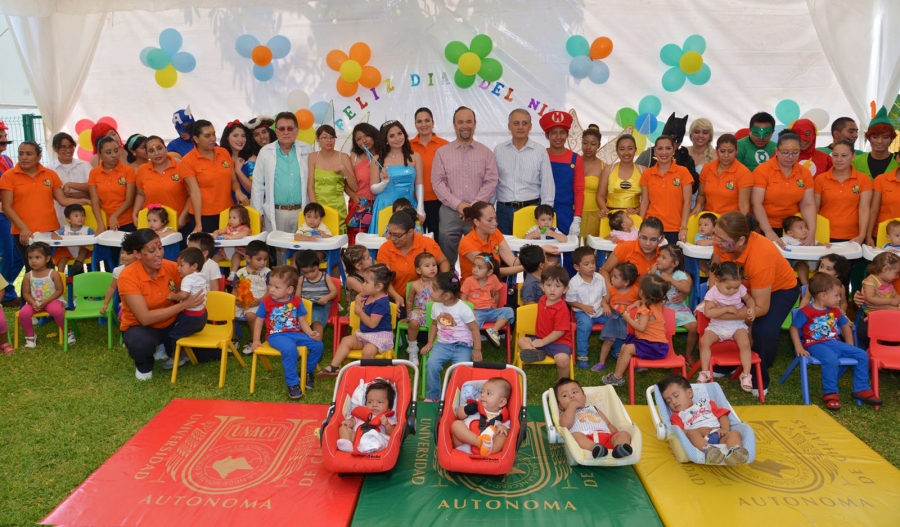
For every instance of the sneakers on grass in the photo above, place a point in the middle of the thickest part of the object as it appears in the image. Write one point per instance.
(170, 363)
(493, 336)
(611, 379)
(143, 376)
(294, 392)
(160, 353)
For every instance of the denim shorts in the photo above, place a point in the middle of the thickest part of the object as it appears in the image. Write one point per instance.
(320, 313)
(493, 315)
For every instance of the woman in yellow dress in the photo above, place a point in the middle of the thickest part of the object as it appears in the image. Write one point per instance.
(620, 183)
(593, 168)
(330, 173)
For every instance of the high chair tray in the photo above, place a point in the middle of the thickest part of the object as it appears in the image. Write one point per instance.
(242, 242)
(869, 252)
(567, 246)
(374, 242)
(285, 240)
(114, 238)
(67, 241)
(849, 250)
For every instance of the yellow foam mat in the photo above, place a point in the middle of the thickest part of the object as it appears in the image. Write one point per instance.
(809, 470)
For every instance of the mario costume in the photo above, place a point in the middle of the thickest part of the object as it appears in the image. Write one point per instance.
(815, 161)
(181, 145)
(568, 177)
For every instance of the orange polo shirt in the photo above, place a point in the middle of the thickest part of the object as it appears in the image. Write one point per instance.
(427, 153)
(783, 194)
(134, 280)
(763, 264)
(721, 191)
(32, 197)
(840, 201)
(888, 185)
(167, 188)
(631, 252)
(405, 266)
(666, 194)
(111, 188)
(213, 177)
(472, 242)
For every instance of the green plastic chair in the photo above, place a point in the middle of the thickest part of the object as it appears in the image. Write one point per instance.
(403, 325)
(89, 289)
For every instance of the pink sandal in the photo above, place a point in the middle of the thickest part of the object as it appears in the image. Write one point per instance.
(7, 348)
(746, 382)
(704, 377)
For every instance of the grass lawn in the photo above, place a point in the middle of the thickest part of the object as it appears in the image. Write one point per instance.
(64, 414)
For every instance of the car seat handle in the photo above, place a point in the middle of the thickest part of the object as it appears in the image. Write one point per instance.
(376, 362)
(490, 365)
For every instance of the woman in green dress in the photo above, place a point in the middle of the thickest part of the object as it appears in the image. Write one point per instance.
(330, 173)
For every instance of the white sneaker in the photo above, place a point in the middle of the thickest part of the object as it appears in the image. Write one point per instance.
(160, 353)
(71, 337)
(231, 277)
(413, 350)
(492, 334)
(755, 392)
(143, 376)
(247, 350)
(31, 342)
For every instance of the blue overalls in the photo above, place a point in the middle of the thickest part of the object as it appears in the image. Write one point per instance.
(564, 202)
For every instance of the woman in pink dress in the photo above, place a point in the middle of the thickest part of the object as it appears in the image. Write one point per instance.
(360, 214)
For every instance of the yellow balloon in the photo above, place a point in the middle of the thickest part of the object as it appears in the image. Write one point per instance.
(167, 76)
(640, 143)
(351, 71)
(307, 136)
(469, 63)
(691, 62)
(84, 140)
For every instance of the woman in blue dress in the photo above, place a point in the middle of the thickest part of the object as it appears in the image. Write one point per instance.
(397, 172)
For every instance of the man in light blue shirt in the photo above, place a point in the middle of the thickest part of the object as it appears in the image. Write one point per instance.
(279, 179)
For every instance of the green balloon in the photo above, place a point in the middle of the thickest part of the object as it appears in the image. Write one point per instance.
(626, 117)
(158, 59)
(482, 45)
(454, 51)
(464, 81)
(491, 70)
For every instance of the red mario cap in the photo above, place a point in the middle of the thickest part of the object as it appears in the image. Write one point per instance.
(554, 119)
(3, 126)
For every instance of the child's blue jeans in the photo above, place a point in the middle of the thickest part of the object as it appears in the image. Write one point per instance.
(583, 325)
(287, 343)
(442, 354)
(828, 354)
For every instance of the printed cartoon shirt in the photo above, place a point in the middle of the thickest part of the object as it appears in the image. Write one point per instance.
(281, 317)
(587, 420)
(619, 300)
(452, 322)
(705, 413)
(817, 326)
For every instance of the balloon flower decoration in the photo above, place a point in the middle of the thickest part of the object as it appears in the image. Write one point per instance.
(307, 116)
(83, 131)
(587, 59)
(644, 120)
(473, 60)
(686, 63)
(787, 111)
(262, 56)
(353, 69)
(167, 60)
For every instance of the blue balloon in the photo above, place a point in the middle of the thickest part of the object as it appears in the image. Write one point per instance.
(673, 79)
(599, 72)
(245, 44)
(144, 52)
(670, 54)
(170, 40)
(184, 62)
(646, 123)
(263, 73)
(580, 67)
(318, 110)
(280, 46)
(650, 104)
(578, 46)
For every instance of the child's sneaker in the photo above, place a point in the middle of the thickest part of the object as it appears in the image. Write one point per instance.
(746, 382)
(310, 380)
(160, 353)
(532, 355)
(599, 451)
(413, 350)
(600, 366)
(71, 337)
(247, 349)
(611, 378)
(714, 455)
(737, 455)
(492, 334)
(31, 342)
(704, 377)
(582, 362)
(486, 441)
(231, 277)
(170, 362)
(294, 392)
(623, 450)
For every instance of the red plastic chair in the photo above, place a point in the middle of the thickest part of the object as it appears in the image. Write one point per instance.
(883, 327)
(727, 354)
(669, 362)
(339, 323)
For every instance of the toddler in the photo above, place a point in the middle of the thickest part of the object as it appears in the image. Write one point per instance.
(312, 229)
(483, 290)
(704, 424)
(705, 225)
(238, 227)
(670, 266)
(357, 259)
(544, 229)
(158, 220)
(623, 292)
(553, 326)
(453, 325)
(373, 422)
(404, 204)
(649, 340)
(589, 426)
(878, 286)
(814, 331)
(893, 237)
(284, 316)
(533, 261)
(74, 227)
(42, 290)
(727, 296)
(838, 267)
(417, 296)
(589, 300)
(795, 231)
(483, 425)
(251, 285)
(621, 227)
(375, 334)
(317, 287)
(207, 245)
(190, 320)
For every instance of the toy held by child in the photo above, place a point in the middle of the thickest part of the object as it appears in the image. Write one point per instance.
(670, 267)
(75, 226)
(589, 300)
(893, 237)
(418, 296)
(42, 290)
(368, 428)
(544, 229)
(484, 289)
(158, 220)
(621, 227)
(317, 287)
(623, 292)
(590, 427)
(250, 285)
(238, 227)
(483, 425)
(357, 259)
(553, 327)
(191, 320)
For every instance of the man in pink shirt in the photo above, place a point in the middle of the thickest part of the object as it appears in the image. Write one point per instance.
(464, 171)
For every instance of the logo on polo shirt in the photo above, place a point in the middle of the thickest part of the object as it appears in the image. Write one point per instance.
(225, 164)
(47, 182)
(676, 182)
(855, 189)
(171, 285)
(800, 183)
(121, 180)
(176, 177)
(729, 184)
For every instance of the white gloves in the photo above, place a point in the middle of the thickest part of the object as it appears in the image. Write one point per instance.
(420, 200)
(575, 228)
(377, 188)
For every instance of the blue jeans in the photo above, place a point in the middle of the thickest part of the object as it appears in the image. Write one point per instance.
(828, 354)
(583, 324)
(442, 354)
(493, 315)
(287, 343)
(12, 262)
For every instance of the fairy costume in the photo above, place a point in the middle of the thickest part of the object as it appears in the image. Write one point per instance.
(329, 187)
(402, 184)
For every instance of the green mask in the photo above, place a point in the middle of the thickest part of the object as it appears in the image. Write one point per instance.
(762, 133)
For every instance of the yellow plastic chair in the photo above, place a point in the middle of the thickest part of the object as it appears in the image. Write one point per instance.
(881, 238)
(265, 351)
(384, 216)
(354, 326)
(693, 224)
(526, 319)
(255, 228)
(40, 314)
(173, 218)
(604, 224)
(523, 219)
(331, 219)
(823, 229)
(219, 309)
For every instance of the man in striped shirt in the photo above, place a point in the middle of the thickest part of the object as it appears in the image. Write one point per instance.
(525, 176)
(464, 171)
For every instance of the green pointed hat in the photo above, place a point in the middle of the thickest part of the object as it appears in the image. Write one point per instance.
(881, 118)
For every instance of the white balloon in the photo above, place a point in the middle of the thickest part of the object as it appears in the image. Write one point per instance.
(820, 118)
(297, 100)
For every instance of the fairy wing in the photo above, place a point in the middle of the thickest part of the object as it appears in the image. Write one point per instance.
(607, 152)
(575, 133)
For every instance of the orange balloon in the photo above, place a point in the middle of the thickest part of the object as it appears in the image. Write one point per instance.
(261, 55)
(601, 48)
(360, 52)
(371, 77)
(305, 118)
(335, 58)
(347, 89)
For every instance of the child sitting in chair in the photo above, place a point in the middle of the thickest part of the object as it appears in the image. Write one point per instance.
(704, 423)
(74, 227)
(370, 426)
(590, 428)
(191, 320)
(621, 227)
(483, 425)
(544, 229)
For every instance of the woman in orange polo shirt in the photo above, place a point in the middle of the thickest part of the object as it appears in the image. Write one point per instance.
(159, 181)
(27, 192)
(209, 175)
(485, 238)
(666, 190)
(768, 276)
(783, 187)
(641, 252)
(885, 200)
(725, 183)
(426, 143)
(111, 185)
(844, 195)
(147, 313)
